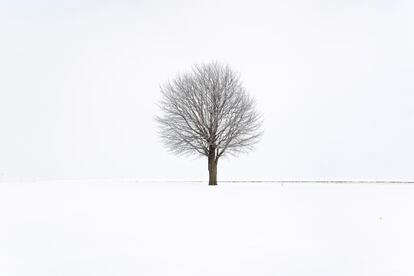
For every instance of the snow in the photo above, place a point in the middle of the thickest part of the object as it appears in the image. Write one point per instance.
(104, 228)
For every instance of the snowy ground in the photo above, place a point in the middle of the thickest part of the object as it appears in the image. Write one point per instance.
(125, 228)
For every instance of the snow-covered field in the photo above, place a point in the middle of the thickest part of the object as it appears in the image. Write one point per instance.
(86, 228)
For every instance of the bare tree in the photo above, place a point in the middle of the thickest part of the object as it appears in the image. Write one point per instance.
(208, 112)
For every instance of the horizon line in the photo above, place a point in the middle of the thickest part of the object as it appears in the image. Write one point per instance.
(278, 181)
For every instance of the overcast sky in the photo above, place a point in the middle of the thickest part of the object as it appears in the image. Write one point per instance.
(79, 82)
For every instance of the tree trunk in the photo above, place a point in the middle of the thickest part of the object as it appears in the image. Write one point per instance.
(212, 167)
(212, 172)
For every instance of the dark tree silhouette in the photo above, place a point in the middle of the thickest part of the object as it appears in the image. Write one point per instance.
(208, 112)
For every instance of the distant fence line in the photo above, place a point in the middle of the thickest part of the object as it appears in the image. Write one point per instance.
(290, 181)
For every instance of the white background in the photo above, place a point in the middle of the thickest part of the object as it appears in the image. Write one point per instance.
(79, 82)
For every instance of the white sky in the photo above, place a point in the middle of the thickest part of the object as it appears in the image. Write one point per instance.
(80, 79)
